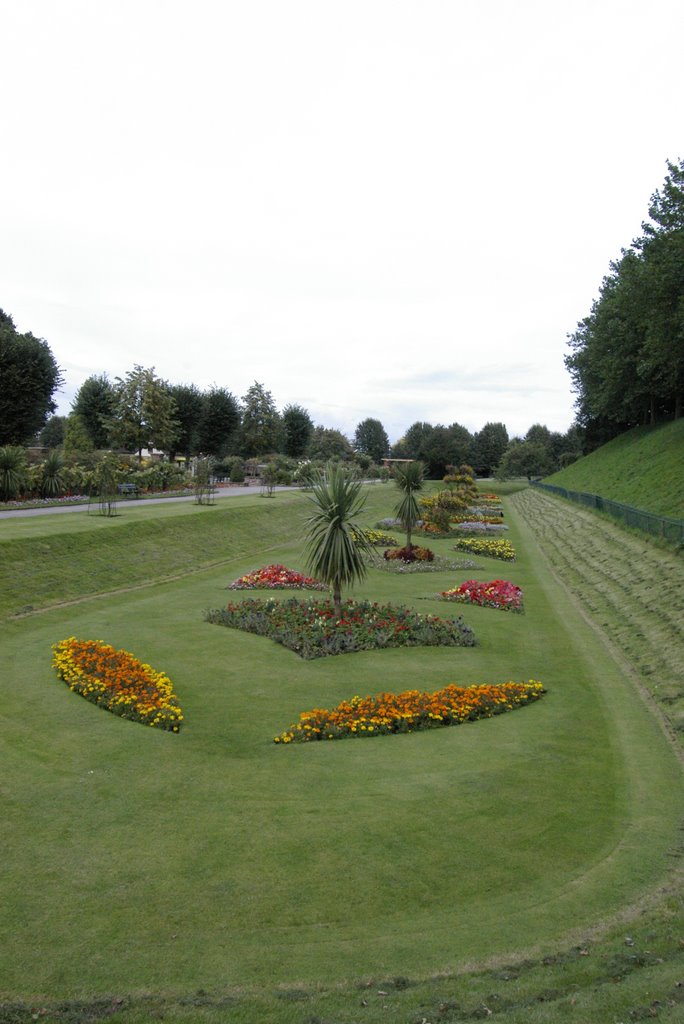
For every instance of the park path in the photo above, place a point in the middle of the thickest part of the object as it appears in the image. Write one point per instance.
(222, 492)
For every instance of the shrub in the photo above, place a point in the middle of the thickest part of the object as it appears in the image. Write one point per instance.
(411, 554)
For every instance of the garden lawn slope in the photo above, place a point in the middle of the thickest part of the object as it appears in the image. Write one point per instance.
(215, 868)
(643, 468)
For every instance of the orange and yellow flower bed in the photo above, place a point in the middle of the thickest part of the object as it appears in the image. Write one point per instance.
(410, 711)
(118, 682)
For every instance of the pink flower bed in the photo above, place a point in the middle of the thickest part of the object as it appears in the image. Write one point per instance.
(495, 594)
(276, 577)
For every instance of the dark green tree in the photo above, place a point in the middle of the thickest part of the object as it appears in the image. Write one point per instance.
(525, 458)
(327, 443)
(52, 434)
(627, 356)
(94, 403)
(297, 430)
(29, 377)
(261, 426)
(489, 445)
(220, 423)
(336, 541)
(370, 438)
(190, 407)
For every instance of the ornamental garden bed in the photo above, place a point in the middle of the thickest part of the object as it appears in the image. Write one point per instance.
(410, 711)
(117, 682)
(276, 577)
(499, 548)
(311, 629)
(501, 594)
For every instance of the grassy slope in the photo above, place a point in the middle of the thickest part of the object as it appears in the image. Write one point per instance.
(382, 859)
(643, 468)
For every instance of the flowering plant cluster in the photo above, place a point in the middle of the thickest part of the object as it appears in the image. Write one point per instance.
(410, 554)
(473, 515)
(438, 564)
(312, 630)
(479, 526)
(118, 682)
(495, 594)
(410, 711)
(378, 538)
(489, 499)
(276, 577)
(498, 548)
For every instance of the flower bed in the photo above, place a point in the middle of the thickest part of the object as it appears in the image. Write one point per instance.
(276, 577)
(499, 548)
(410, 554)
(478, 516)
(410, 711)
(378, 538)
(438, 564)
(312, 630)
(479, 526)
(118, 682)
(495, 594)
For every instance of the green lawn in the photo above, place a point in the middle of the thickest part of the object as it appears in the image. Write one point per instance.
(149, 865)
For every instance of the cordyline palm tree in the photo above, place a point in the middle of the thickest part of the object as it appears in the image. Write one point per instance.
(409, 480)
(12, 471)
(336, 543)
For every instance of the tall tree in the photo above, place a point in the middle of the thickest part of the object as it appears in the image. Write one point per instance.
(52, 434)
(261, 427)
(29, 377)
(336, 542)
(220, 423)
(370, 438)
(144, 412)
(94, 403)
(489, 445)
(327, 443)
(189, 408)
(297, 430)
(627, 356)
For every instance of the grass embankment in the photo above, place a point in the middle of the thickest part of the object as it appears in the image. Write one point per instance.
(641, 468)
(346, 882)
(52, 559)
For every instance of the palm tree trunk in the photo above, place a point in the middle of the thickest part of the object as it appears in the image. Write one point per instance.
(337, 599)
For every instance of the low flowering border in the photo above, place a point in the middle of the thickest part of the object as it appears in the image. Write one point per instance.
(117, 682)
(410, 711)
(378, 538)
(312, 630)
(500, 594)
(438, 565)
(499, 548)
(276, 577)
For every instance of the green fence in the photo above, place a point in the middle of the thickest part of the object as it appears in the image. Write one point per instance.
(660, 526)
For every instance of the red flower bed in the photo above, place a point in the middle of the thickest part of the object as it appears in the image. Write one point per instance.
(276, 577)
(495, 594)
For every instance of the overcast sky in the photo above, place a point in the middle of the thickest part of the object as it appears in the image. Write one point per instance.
(380, 208)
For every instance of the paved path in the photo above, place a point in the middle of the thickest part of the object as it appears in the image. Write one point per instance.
(222, 492)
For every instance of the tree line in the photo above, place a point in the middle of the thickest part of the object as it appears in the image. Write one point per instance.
(142, 412)
(626, 357)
